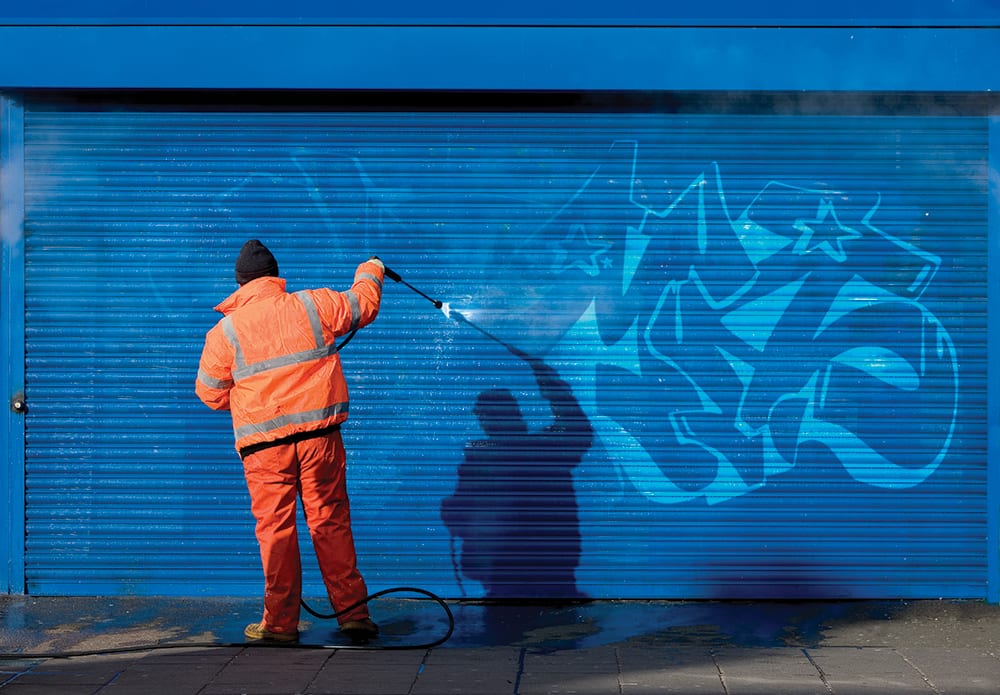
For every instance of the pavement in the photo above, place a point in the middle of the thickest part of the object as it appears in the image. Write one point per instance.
(584, 648)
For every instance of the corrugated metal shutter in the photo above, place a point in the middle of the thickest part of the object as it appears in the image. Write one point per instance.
(766, 338)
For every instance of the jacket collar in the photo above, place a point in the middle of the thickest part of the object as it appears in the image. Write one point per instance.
(261, 288)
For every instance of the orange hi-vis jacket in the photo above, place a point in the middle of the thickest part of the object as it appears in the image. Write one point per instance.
(272, 359)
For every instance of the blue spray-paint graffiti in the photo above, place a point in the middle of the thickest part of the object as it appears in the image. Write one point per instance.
(699, 308)
(710, 310)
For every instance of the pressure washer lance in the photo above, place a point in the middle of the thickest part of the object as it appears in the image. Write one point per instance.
(393, 275)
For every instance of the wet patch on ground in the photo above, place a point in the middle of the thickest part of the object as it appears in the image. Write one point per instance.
(33, 624)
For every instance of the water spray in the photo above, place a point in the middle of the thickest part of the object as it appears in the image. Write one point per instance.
(455, 314)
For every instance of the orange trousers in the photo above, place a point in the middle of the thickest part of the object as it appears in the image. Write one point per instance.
(315, 470)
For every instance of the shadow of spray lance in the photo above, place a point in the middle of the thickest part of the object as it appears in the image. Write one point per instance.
(457, 316)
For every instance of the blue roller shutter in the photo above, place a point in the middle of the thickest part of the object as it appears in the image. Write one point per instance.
(748, 352)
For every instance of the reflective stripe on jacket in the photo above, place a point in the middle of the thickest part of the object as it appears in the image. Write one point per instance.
(272, 361)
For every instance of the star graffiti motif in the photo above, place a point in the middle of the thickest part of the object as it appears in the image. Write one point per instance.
(825, 232)
(577, 250)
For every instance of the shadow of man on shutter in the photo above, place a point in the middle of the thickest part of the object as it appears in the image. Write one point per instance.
(515, 507)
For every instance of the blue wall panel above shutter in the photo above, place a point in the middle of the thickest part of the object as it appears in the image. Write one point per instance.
(748, 352)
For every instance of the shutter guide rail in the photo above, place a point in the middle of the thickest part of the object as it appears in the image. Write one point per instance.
(12, 478)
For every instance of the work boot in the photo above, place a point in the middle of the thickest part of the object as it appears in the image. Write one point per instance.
(359, 629)
(259, 631)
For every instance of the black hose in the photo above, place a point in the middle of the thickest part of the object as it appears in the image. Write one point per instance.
(346, 340)
(4, 656)
(395, 590)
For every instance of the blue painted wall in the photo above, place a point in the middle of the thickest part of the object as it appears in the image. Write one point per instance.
(888, 45)
(514, 12)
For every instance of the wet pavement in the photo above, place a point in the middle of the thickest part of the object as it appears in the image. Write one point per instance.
(599, 647)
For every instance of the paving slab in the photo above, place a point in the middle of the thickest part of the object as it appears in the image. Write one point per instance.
(956, 671)
(766, 671)
(490, 671)
(368, 673)
(669, 669)
(267, 671)
(868, 671)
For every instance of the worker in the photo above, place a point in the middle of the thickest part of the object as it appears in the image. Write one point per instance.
(272, 362)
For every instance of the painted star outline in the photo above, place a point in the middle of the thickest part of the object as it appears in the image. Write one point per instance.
(831, 232)
(576, 250)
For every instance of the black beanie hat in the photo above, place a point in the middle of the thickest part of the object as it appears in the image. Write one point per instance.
(255, 261)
